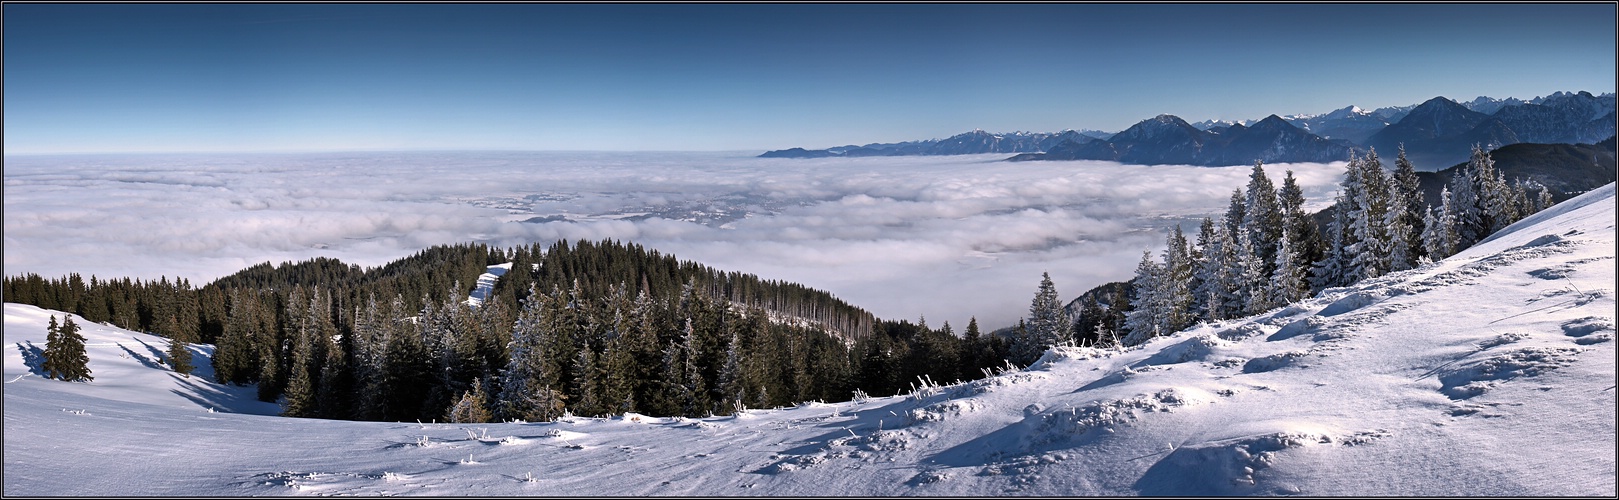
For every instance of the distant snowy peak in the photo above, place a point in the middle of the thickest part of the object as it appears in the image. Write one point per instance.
(1347, 112)
(1489, 105)
(1220, 124)
(1157, 127)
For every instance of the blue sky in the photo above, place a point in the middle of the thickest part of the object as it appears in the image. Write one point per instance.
(297, 77)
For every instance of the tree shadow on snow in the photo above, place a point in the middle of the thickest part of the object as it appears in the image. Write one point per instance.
(145, 361)
(208, 396)
(157, 354)
(33, 357)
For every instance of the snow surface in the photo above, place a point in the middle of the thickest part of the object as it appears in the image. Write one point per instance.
(1489, 373)
(486, 283)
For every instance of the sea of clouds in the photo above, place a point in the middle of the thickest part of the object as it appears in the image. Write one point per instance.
(947, 238)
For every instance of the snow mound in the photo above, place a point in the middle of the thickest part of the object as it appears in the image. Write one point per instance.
(1475, 377)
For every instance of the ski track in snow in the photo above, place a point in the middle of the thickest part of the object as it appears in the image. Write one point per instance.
(1490, 373)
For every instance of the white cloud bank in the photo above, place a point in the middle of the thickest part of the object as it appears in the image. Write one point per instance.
(944, 237)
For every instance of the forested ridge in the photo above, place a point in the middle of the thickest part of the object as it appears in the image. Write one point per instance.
(589, 328)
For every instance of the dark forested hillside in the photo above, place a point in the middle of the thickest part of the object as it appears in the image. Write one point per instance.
(588, 328)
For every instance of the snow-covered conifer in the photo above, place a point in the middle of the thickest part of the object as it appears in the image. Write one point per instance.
(1368, 220)
(1262, 219)
(1287, 281)
(1048, 323)
(1141, 323)
(1176, 292)
(1465, 205)
(1329, 271)
(528, 382)
(1217, 289)
(1407, 209)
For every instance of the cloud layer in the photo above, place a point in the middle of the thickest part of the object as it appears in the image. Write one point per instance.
(943, 237)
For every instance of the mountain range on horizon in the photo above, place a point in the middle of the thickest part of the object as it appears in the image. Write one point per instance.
(1435, 134)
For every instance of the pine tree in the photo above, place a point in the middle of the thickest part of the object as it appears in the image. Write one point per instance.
(1465, 204)
(1255, 283)
(1142, 322)
(1235, 213)
(405, 369)
(53, 365)
(235, 358)
(1302, 238)
(179, 357)
(1494, 196)
(1118, 308)
(472, 407)
(369, 350)
(1410, 209)
(589, 401)
(1430, 236)
(1368, 217)
(1287, 281)
(300, 396)
(529, 378)
(1401, 254)
(1441, 238)
(1236, 221)
(1518, 204)
(1219, 290)
(1262, 221)
(1176, 293)
(74, 363)
(1329, 271)
(1021, 344)
(1201, 255)
(1086, 329)
(1047, 322)
(335, 389)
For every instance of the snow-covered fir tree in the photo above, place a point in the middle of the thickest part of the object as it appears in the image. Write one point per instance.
(1141, 323)
(1465, 205)
(1048, 322)
(1217, 290)
(1175, 288)
(1287, 282)
(1302, 233)
(531, 378)
(1329, 271)
(1262, 223)
(1368, 218)
(1406, 216)
(1251, 274)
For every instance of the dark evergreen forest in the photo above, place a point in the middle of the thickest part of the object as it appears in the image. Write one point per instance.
(587, 328)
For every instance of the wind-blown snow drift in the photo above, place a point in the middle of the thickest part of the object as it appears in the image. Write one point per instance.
(1490, 373)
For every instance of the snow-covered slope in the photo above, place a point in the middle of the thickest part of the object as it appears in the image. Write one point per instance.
(1490, 373)
(486, 283)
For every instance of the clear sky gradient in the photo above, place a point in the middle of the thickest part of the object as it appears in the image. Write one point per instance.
(301, 77)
